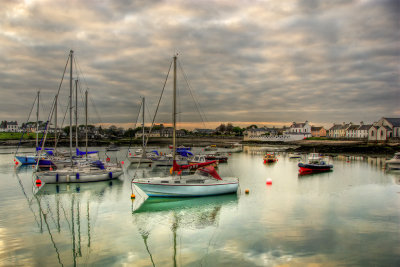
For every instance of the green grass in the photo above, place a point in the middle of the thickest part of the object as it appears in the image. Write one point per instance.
(17, 136)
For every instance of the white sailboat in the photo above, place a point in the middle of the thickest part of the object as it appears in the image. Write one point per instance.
(204, 182)
(79, 173)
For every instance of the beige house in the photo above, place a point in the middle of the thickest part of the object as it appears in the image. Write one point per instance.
(318, 131)
(384, 129)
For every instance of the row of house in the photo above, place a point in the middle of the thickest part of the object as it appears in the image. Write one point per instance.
(163, 132)
(384, 129)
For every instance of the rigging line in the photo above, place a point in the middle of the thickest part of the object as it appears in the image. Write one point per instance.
(197, 105)
(16, 151)
(27, 199)
(152, 123)
(48, 229)
(46, 131)
(61, 126)
(131, 135)
(80, 70)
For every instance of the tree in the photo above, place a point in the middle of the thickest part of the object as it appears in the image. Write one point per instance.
(252, 126)
(238, 131)
(221, 128)
(229, 127)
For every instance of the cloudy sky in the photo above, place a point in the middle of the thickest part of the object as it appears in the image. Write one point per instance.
(269, 62)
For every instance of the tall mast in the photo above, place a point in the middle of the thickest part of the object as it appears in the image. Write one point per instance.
(76, 113)
(86, 119)
(71, 54)
(174, 114)
(37, 120)
(143, 125)
(55, 121)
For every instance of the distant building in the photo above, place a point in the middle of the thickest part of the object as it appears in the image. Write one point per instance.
(257, 132)
(11, 126)
(318, 131)
(351, 131)
(384, 129)
(362, 131)
(300, 128)
(204, 131)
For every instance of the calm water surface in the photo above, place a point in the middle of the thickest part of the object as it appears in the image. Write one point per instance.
(348, 217)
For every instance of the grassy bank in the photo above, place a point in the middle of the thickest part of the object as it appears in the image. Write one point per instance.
(17, 136)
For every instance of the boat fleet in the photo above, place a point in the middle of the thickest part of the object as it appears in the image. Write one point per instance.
(189, 174)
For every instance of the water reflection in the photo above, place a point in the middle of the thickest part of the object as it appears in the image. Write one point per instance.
(65, 212)
(178, 214)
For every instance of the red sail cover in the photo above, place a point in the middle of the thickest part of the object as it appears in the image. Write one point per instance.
(193, 166)
(210, 170)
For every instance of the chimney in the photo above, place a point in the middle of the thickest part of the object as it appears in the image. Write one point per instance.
(361, 123)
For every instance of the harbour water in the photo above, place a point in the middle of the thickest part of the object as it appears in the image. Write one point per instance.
(347, 217)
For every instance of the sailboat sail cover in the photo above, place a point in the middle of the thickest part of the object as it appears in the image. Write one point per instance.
(177, 167)
(211, 171)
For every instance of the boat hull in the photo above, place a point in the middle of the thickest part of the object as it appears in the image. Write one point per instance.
(393, 166)
(54, 177)
(26, 160)
(314, 168)
(187, 190)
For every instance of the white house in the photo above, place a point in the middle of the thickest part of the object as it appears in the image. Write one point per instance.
(300, 128)
(12, 126)
(362, 132)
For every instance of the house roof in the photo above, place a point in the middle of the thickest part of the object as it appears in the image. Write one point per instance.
(335, 127)
(394, 121)
(313, 128)
(354, 127)
(297, 125)
(365, 127)
(386, 127)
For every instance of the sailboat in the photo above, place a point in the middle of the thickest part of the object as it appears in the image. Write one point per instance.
(205, 182)
(140, 156)
(30, 159)
(79, 173)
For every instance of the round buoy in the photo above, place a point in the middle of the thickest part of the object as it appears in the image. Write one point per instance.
(108, 159)
(122, 162)
(130, 154)
(51, 168)
(38, 182)
(16, 162)
(247, 191)
(269, 181)
(133, 196)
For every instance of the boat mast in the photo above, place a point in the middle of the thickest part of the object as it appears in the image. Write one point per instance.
(76, 113)
(37, 120)
(71, 54)
(86, 116)
(174, 114)
(55, 122)
(143, 126)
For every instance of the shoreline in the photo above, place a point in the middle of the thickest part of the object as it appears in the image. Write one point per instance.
(320, 146)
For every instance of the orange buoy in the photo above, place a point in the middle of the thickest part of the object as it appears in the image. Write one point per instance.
(133, 196)
(269, 181)
(247, 191)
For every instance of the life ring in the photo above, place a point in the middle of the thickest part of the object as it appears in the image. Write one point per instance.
(108, 159)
